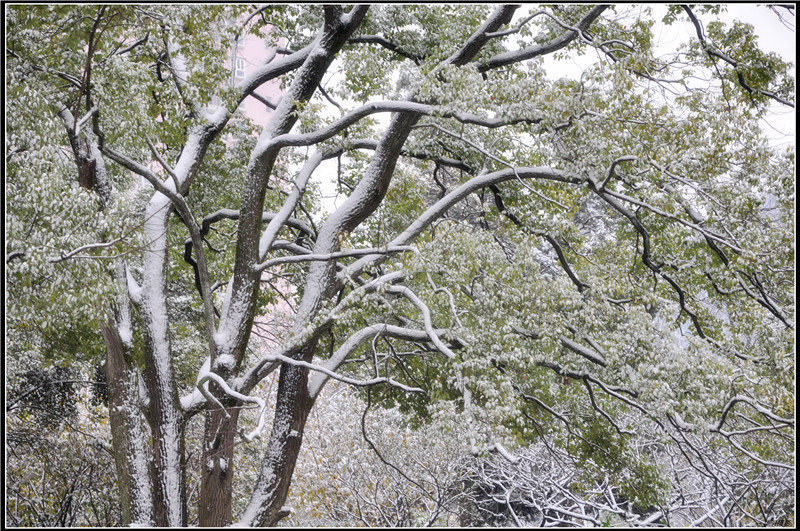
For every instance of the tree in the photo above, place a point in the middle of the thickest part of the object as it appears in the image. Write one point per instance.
(601, 265)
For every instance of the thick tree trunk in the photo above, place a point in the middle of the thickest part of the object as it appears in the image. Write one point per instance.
(166, 417)
(293, 402)
(215, 506)
(129, 433)
(266, 506)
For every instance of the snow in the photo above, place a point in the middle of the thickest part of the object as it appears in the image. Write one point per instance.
(134, 289)
(271, 232)
(154, 313)
(196, 397)
(233, 314)
(258, 501)
(142, 490)
(225, 361)
(125, 332)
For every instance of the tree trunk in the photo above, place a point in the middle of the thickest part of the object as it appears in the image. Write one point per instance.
(266, 506)
(129, 432)
(215, 506)
(167, 419)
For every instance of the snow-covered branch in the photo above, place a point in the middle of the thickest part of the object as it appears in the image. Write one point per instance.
(579, 349)
(426, 316)
(536, 50)
(333, 256)
(476, 183)
(317, 382)
(345, 379)
(67, 255)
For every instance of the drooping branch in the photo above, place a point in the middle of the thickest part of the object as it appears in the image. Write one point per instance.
(72, 80)
(550, 239)
(317, 382)
(426, 316)
(755, 405)
(342, 378)
(612, 390)
(715, 52)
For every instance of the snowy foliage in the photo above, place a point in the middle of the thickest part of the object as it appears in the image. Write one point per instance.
(570, 298)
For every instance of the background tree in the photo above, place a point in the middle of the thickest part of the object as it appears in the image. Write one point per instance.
(601, 266)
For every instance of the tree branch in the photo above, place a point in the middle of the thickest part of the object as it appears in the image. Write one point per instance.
(537, 50)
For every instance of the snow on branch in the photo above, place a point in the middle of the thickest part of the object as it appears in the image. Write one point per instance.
(712, 51)
(134, 289)
(216, 378)
(579, 349)
(476, 183)
(342, 378)
(333, 256)
(383, 107)
(706, 233)
(271, 232)
(426, 315)
(270, 69)
(229, 213)
(319, 380)
(497, 447)
(755, 405)
(536, 50)
(73, 253)
(626, 158)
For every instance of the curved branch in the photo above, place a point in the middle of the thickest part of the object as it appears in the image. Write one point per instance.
(739, 398)
(384, 107)
(270, 70)
(426, 315)
(345, 379)
(626, 158)
(266, 217)
(476, 183)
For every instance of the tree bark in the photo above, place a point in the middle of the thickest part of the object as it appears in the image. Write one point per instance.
(129, 432)
(215, 506)
(167, 419)
(266, 506)
(292, 406)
